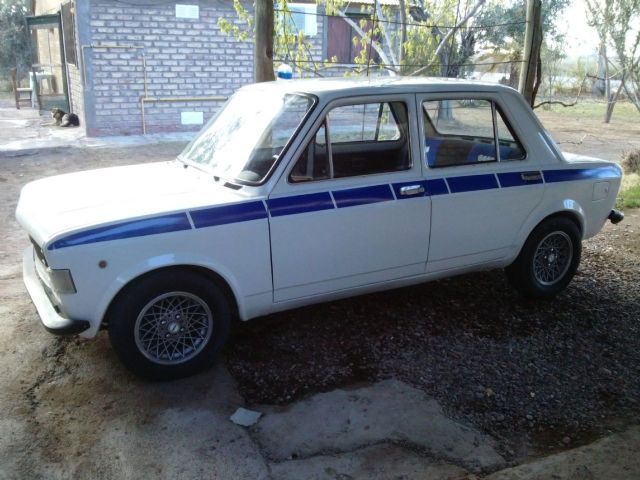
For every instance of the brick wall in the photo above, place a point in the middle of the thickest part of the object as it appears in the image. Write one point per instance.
(184, 58)
(76, 97)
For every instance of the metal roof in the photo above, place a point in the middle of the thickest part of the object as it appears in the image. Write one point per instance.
(364, 85)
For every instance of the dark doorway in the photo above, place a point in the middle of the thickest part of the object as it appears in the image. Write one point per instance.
(48, 76)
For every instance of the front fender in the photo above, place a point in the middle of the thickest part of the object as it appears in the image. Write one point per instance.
(163, 261)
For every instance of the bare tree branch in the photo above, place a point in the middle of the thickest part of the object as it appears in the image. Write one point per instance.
(387, 38)
(444, 40)
(556, 102)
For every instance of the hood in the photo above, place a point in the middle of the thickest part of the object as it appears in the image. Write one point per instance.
(64, 203)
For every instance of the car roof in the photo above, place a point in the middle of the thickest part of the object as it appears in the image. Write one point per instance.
(365, 86)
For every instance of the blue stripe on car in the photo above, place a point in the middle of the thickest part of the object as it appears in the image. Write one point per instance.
(437, 186)
(134, 228)
(312, 202)
(256, 210)
(472, 183)
(514, 179)
(362, 196)
(241, 212)
(571, 174)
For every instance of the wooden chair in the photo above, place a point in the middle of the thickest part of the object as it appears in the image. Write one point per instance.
(21, 94)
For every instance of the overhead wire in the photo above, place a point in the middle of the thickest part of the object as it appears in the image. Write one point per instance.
(375, 19)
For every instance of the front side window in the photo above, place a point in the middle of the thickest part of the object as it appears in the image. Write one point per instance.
(464, 132)
(356, 140)
(243, 142)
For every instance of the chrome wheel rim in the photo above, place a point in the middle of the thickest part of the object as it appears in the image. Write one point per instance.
(552, 258)
(173, 328)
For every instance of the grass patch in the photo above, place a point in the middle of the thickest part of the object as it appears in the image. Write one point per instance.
(595, 110)
(629, 196)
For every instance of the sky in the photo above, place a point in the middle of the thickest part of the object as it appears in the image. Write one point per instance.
(581, 39)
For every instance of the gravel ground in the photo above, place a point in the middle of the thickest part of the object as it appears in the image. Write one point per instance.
(539, 376)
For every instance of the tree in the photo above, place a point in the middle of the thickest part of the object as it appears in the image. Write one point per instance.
(503, 34)
(614, 22)
(531, 73)
(416, 44)
(15, 44)
(452, 45)
(263, 43)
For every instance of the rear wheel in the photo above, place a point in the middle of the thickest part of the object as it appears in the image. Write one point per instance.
(169, 324)
(548, 260)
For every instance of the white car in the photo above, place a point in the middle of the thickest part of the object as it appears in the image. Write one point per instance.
(306, 191)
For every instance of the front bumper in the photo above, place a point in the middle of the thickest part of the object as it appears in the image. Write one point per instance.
(50, 318)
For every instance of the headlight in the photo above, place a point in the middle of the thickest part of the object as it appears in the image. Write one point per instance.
(61, 281)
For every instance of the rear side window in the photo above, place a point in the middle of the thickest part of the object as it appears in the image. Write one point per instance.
(355, 140)
(510, 146)
(465, 132)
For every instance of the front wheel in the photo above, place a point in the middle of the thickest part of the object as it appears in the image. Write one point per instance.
(548, 260)
(169, 324)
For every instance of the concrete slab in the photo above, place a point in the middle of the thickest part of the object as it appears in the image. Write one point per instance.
(379, 462)
(612, 458)
(25, 132)
(389, 411)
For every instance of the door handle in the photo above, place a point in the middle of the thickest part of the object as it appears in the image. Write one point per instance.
(531, 176)
(411, 190)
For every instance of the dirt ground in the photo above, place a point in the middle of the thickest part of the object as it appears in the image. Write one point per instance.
(580, 129)
(539, 377)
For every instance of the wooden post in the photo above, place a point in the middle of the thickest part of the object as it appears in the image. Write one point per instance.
(263, 50)
(403, 35)
(532, 44)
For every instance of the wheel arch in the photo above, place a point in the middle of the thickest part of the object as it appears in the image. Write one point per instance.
(211, 275)
(567, 209)
(522, 271)
(568, 214)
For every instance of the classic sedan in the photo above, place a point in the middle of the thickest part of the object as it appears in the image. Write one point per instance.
(299, 192)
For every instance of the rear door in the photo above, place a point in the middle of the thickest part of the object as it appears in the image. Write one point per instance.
(351, 209)
(488, 192)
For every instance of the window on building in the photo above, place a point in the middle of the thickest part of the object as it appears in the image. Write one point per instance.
(303, 18)
(356, 140)
(461, 132)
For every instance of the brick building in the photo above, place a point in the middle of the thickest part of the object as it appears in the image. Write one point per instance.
(133, 66)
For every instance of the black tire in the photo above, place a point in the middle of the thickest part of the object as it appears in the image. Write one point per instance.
(181, 341)
(548, 260)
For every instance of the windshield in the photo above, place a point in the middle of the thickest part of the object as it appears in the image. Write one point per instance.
(244, 140)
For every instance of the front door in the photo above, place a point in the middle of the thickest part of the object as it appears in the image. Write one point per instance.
(351, 209)
(48, 77)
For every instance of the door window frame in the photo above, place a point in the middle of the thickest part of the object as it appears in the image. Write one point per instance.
(496, 108)
(416, 169)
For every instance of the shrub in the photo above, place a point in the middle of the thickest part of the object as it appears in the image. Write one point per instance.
(631, 161)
